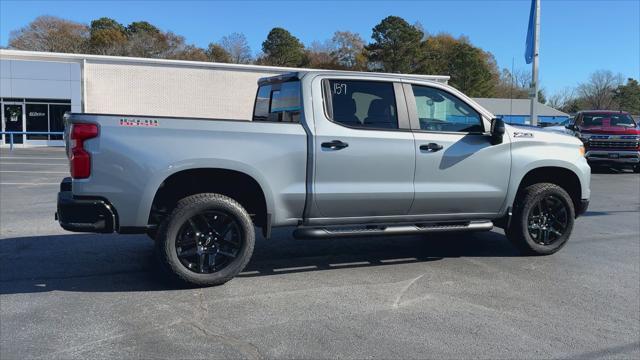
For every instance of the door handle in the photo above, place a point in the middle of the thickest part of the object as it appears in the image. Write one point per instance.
(334, 145)
(432, 147)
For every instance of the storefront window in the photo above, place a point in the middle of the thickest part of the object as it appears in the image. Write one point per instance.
(33, 115)
(56, 121)
(37, 116)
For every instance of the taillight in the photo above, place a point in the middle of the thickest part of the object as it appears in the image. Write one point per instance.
(80, 161)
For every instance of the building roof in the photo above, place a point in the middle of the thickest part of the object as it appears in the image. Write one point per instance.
(603, 112)
(521, 107)
(48, 56)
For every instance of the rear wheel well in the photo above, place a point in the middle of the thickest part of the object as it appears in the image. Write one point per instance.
(565, 178)
(234, 184)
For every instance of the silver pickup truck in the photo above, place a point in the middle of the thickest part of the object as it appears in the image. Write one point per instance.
(334, 154)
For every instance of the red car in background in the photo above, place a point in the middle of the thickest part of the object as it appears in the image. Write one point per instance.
(611, 138)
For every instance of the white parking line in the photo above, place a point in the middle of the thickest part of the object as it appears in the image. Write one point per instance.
(296, 268)
(31, 158)
(36, 172)
(23, 163)
(355, 263)
(29, 184)
(397, 260)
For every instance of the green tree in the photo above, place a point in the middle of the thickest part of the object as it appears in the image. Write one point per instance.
(472, 70)
(395, 46)
(216, 53)
(541, 97)
(283, 49)
(146, 40)
(107, 37)
(628, 96)
(142, 27)
(49, 33)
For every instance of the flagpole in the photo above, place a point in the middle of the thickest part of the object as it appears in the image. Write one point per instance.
(534, 71)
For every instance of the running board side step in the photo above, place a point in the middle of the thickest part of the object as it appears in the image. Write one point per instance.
(388, 230)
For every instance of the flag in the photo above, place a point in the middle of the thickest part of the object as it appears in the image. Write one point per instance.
(531, 33)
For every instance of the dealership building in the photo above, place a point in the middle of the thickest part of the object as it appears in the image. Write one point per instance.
(37, 88)
(518, 111)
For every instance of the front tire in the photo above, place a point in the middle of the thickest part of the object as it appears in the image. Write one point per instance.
(543, 218)
(206, 240)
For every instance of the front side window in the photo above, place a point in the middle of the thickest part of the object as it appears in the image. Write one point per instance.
(440, 111)
(362, 104)
(278, 102)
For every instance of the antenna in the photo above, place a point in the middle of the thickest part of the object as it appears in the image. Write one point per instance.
(511, 90)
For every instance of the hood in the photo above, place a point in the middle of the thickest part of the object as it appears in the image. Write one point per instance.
(610, 130)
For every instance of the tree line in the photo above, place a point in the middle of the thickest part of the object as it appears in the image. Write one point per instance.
(396, 47)
(603, 90)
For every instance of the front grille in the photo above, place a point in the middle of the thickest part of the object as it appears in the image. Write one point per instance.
(613, 144)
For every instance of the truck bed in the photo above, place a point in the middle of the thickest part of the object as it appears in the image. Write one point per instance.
(150, 149)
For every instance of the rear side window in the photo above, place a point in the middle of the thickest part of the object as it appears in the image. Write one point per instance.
(361, 104)
(278, 103)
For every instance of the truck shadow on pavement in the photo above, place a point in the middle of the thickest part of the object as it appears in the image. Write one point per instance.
(111, 263)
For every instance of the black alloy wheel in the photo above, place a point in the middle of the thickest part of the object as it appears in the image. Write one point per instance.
(208, 242)
(548, 220)
(542, 220)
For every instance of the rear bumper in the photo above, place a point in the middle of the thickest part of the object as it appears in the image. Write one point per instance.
(613, 157)
(83, 214)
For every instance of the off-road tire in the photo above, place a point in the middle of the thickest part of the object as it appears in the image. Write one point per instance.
(518, 232)
(184, 210)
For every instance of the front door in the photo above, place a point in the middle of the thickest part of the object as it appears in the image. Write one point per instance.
(13, 114)
(364, 157)
(459, 173)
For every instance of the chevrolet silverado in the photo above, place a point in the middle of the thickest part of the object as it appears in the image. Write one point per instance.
(333, 154)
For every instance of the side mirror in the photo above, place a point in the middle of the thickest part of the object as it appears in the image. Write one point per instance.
(497, 131)
(570, 126)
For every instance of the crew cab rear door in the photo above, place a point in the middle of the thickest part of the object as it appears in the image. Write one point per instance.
(459, 173)
(363, 149)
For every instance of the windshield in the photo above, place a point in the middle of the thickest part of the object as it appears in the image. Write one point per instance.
(591, 120)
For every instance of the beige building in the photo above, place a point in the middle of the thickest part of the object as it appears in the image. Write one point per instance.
(36, 88)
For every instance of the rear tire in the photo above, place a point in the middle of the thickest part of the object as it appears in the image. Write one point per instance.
(206, 240)
(543, 217)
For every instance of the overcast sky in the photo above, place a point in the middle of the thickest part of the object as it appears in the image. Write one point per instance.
(577, 37)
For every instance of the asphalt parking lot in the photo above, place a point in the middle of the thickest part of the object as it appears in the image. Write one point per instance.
(68, 295)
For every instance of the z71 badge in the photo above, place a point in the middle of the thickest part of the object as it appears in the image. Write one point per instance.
(522, 134)
(138, 122)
